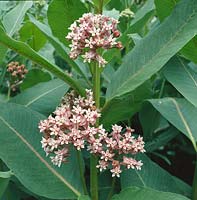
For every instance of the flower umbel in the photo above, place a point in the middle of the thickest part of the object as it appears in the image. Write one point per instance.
(17, 73)
(73, 123)
(90, 33)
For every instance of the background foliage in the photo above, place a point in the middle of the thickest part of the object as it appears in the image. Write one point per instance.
(151, 85)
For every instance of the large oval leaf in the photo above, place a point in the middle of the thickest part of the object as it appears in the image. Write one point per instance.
(153, 176)
(44, 97)
(135, 193)
(143, 61)
(66, 11)
(181, 114)
(21, 150)
(182, 78)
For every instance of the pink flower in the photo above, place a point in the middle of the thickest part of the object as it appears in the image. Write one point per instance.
(116, 171)
(74, 123)
(106, 155)
(102, 165)
(90, 33)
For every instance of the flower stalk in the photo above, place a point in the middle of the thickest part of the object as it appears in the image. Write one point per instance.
(93, 158)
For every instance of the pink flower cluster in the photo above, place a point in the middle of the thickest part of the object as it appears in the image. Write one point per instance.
(74, 123)
(17, 73)
(116, 149)
(90, 33)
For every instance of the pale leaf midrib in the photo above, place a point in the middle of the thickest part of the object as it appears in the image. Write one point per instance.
(10, 33)
(153, 58)
(184, 122)
(187, 71)
(60, 177)
(40, 96)
(141, 179)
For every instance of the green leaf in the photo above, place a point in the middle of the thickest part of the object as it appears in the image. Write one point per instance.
(124, 107)
(4, 180)
(150, 120)
(25, 50)
(43, 97)
(179, 113)
(142, 16)
(59, 47)
(13, 19)
(30, 79)
(97, 2)
(161, 139)
(146, 194)
(32, 168)
(164, 8)
(153, 176)
(30, 34)
(142, 62)
(84, 197)
(189, 51)
(66, 12)
(181, 76)
(3, 51)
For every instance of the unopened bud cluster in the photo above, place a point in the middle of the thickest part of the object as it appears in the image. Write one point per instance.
(73, 123)
(17, 73)
(90, 33)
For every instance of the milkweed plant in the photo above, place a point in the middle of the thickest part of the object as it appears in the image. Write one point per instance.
(98, 100)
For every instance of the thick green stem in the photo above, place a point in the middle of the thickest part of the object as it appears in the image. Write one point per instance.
(194, 187)
(100, 7)
(93, 158)
(96, 90)
(112, 188)
(80, 162)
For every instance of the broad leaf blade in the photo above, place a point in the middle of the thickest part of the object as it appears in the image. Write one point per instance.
(66, 11)
(179, 74)
(43, 97)
(164, 8)
(153, 176)
(31, 35)
(189, 51)
(124, 107)
(13, 19)
(30, 80)
(142, 62)
(180, 113)
(146, 194)
(21, 151)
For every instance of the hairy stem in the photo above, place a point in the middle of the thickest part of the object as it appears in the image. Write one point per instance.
(93, 158)
(80, 162)
(194, 187)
